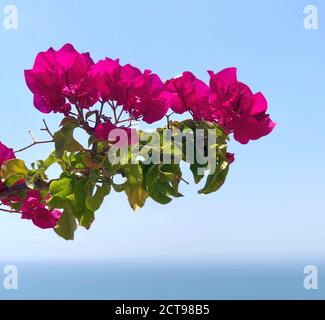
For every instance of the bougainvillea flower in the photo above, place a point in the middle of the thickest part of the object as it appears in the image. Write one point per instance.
(103, 131)
(106, 74)
(250, 121)
(189, 94)
(224, 95)
(57, 75)
(150, 99)
(142, 94)
(74, 74)
(5, 154)
(33, 209)
(237, 109)
(46, 219)
(44, 83)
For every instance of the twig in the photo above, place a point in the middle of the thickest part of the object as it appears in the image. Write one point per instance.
(31, 134)
(185, 181)
(125, 120)
(168, 121)
(101, 108)
(10, 211)
(119, 116)
(47, 129)
(33, 144)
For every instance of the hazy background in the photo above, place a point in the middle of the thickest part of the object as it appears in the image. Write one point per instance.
(270, 212)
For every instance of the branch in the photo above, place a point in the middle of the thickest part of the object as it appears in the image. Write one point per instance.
(185, 181)
(16, 189)
(47, 129)
(33, 144)
(10, 211)
(168, 119)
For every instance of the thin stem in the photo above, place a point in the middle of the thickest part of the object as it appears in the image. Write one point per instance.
(120, 115)
(47, 129)
(115, 115)
(33, 144)
(168, 119)
(101, 108)
(31, 134)
(10, 211)
(125, 120)
(185, 181)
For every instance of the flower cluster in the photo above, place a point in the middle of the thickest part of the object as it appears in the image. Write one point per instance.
(5, 155)
(31, 204)
(226, 101)
(64, 77)
(100, 97)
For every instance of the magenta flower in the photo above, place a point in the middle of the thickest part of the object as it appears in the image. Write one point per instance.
(150, 99)
(103, 130)
(224, 95)
(5, 154)
(33, 209)
(142, 95)
(237, 109)
(106, 74)
(60, 75)
(250, 121)
(189, 94)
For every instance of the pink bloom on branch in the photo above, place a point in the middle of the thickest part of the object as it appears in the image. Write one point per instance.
(237, 109)
(106, 75)
(46, 219)
(5, 155)
(142, 94)
(60, 75)
(250, 121)
(189, 94)
(224, 94)
(104, 132)
(150, 100)
(33, 209)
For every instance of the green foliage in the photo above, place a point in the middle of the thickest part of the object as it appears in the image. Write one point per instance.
(64, 140)
(14, 168)
(87, 176)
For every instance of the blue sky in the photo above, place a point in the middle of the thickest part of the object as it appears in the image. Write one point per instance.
(271, 207)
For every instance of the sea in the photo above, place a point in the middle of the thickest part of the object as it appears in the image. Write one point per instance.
(167, 281)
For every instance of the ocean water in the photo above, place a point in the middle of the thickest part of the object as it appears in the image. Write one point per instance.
(82, 280)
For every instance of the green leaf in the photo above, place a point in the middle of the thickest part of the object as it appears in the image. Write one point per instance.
(69, 121)
(87, 218)
(158, 196)
(137, 196)
(66, 226)
(216, 180)
(133, 172)
(98, 198)
(61, 188)
(13, 167)
(11, 181)
(119, 187)
(133, 186)
(161, 181)
(194, 169)
(64, 140)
